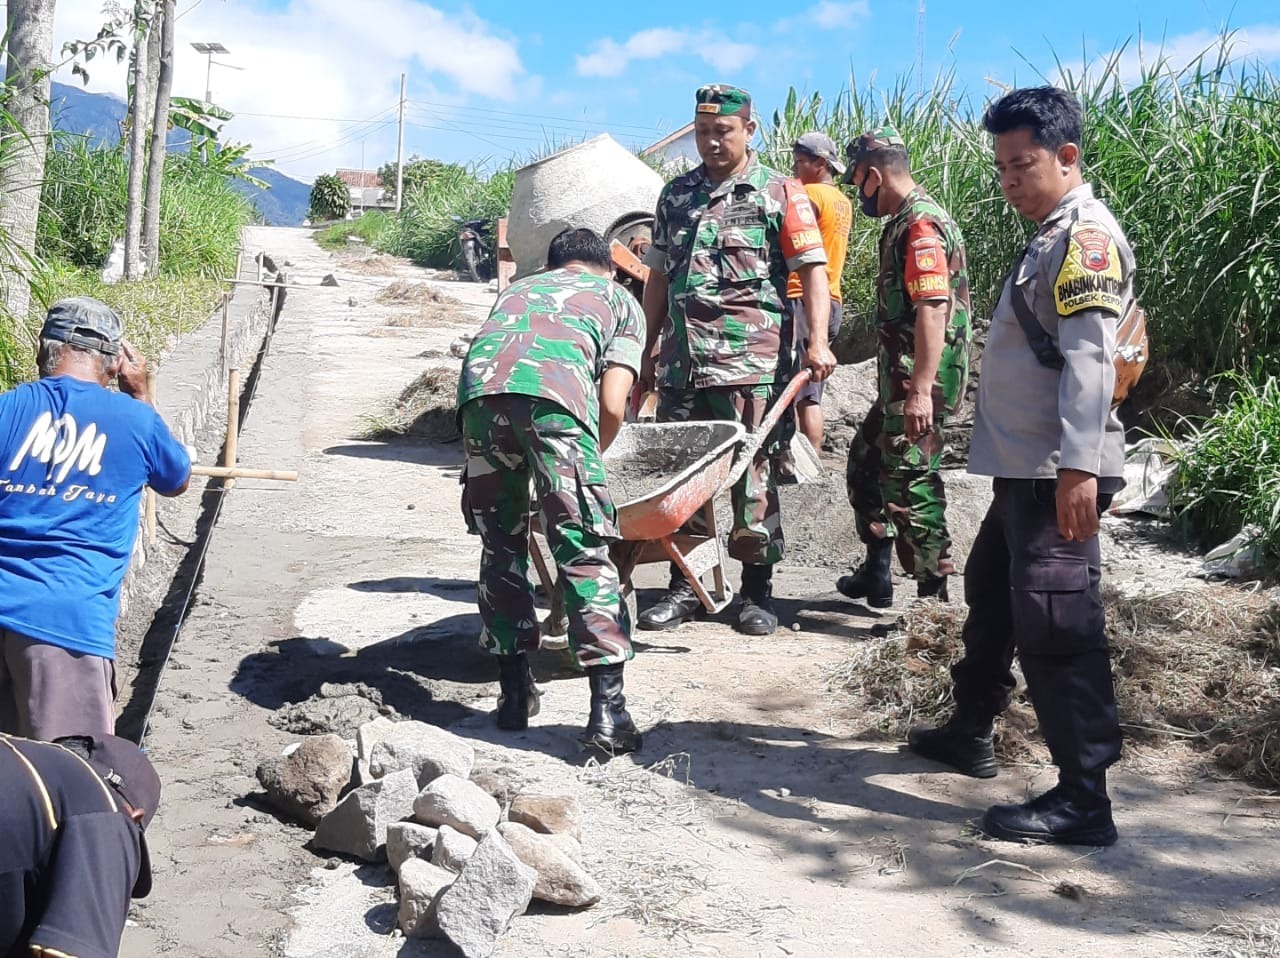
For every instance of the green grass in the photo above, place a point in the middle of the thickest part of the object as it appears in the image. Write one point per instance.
(1187, 158)
(1228, 471)
(427, 232)
(83, 211)
(373, 227)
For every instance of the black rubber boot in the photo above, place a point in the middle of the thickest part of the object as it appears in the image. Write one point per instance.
(756, 616)
(519, 697)
(1064, 815)
(934, 587)
(609, 728)
(872, 581)
(964, 744)
(680, 604)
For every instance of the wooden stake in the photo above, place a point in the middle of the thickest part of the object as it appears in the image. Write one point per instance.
(222, 353)
(151, 493)
(233, 423)
(240, 472)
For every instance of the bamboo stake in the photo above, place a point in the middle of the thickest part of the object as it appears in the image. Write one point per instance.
(233, 423)
(222, 353)
(240, 472)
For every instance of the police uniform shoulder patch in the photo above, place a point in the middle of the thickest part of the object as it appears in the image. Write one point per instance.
(1091, 276)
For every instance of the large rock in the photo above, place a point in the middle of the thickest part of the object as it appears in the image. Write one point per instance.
(561, 880)
(370, 734)
(452, 848)
(358, 826)
(567, 844)
(493, 888)
(306, 783)
(407, 840)
(421, 884)
(453, 801)
(429, 751)
(558, 814)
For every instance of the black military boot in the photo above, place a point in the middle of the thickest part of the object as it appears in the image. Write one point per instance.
(519, 698)
(932, 587)
(964, 744)
(1067, 814)
(756, 616)
(609, 728)
(680, 604)
(871, 581)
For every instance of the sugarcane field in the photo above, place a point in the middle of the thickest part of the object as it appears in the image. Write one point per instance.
(615, 483)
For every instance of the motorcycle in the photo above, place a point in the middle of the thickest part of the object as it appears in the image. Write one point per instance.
(475, 249)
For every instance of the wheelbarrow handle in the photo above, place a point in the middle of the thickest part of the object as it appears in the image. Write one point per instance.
(755, 439)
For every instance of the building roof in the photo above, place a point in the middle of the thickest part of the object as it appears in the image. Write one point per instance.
(667, 140)
(361, 179)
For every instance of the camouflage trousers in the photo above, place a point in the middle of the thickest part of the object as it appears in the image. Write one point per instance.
(756, 536)
(896, 490)
(512, 442)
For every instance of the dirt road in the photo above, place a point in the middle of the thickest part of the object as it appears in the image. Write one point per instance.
(752, 824)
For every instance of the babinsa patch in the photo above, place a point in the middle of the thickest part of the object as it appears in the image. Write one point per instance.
(1091, 276)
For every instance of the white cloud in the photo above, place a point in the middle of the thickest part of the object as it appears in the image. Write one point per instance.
(1257, 42)
(831, 15)
(322, 59)
(609, 58)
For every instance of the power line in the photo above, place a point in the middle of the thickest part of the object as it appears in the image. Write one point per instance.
(540, 116)
(298, 151)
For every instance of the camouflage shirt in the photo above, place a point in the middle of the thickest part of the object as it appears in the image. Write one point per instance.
(726, 251)
(552, 335)
(922, 260)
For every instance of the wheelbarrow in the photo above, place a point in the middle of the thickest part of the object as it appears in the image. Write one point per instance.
(702, 460)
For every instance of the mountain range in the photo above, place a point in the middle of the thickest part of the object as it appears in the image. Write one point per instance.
(98, 116)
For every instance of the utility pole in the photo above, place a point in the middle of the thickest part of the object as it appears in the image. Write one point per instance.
(400, 151)
(920, 48)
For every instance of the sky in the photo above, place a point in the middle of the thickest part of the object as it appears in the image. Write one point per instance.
(315, 84)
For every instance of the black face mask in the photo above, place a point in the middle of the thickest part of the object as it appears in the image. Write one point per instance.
(870, 204)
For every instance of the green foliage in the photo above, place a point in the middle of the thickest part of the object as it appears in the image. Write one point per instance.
(83, 210)
(373, 227)
(1187, 158)
(418, 173)
(330, 198)
(1228, 471)
(427, 232)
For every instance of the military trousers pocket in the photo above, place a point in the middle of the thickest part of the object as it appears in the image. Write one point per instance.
(1055, 609)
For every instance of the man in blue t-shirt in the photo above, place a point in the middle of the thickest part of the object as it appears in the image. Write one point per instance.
(74, 458)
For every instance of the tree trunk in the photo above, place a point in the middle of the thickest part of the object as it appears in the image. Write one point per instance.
(29, 56)
(139, 117)
(159, 137)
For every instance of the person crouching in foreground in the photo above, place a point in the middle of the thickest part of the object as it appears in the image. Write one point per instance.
(542, 394)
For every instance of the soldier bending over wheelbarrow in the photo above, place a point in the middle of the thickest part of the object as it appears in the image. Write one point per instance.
(542, 394)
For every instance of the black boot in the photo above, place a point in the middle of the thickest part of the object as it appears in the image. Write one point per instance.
(519, 697)
(756, 615)
(933, 587)
(609, 728)
(680, 604)
(964, 744)
(1065, 815)
(872, 580)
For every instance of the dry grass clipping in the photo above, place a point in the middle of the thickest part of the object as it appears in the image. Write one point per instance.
(404, 293)
(1198, 668)
(426, 408)
(1239, 939)
(372, 265)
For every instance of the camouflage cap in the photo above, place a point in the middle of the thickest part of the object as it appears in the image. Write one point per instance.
(720, 99)
(822, 146)
(881, 138)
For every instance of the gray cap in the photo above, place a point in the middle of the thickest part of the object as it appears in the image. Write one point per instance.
(85, 322)
(821, 146)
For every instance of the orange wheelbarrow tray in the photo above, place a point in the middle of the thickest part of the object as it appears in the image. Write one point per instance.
(706, 458)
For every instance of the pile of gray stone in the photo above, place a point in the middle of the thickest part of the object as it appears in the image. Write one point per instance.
(468, 854)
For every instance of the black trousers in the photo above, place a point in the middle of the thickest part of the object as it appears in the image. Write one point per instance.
(1031, 591)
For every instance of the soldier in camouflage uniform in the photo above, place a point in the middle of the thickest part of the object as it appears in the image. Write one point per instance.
(923, 333)
(542, 393)
(726, 234)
